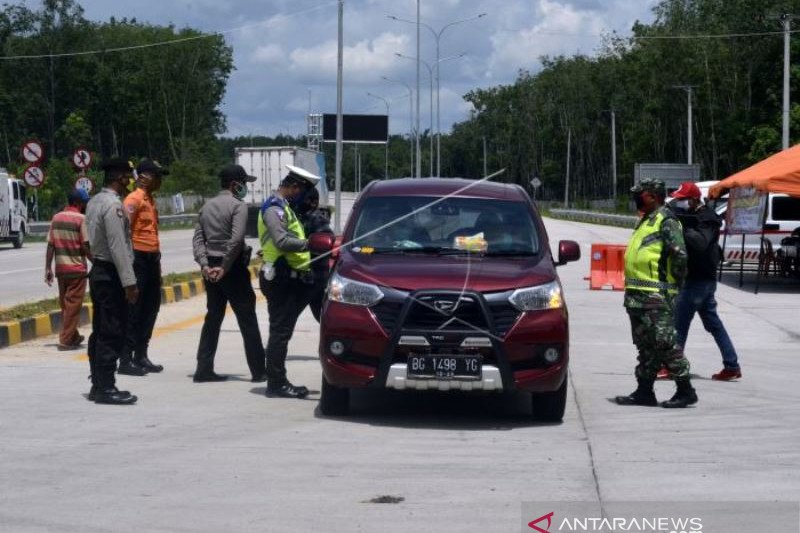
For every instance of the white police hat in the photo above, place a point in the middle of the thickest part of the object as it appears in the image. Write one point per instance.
(303, 174)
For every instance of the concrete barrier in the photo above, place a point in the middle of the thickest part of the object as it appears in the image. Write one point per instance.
(607, 219)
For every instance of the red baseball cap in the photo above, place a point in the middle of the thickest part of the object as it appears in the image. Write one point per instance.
(687, 190)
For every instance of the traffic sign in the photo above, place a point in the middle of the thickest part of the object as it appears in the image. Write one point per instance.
(536, 182)
(32, 151)
(34, 176)
(82, 158)
(85, 183)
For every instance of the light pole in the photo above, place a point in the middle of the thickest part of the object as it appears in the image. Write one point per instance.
(339, 125)
(385, 101)
(410, 115)
(430, 72)
(689, 133)
(437, 35)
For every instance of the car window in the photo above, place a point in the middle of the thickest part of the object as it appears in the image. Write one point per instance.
(785, 208)
(393, 224)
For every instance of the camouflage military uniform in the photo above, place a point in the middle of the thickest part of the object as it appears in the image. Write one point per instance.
(652, 313)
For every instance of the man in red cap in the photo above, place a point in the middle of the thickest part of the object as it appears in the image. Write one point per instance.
(701, 227)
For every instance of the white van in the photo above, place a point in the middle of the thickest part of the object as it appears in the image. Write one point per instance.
(13, 209)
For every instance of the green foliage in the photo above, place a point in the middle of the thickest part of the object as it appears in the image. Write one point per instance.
(155, 101)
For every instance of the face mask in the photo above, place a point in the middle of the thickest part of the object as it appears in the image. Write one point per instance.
(682, 204)
(239, 190)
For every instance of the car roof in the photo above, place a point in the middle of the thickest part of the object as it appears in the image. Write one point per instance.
(446, 186)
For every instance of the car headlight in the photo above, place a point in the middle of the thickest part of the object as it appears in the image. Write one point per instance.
(347, 291)
(547, 296)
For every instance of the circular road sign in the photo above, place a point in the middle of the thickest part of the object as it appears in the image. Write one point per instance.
(84, 183)
(82, 158)
(32, 151)
(34, 177)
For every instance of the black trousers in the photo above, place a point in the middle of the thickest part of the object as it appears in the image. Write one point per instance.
(109, 318)
(235, 288)
(286, 299)
(142, 315)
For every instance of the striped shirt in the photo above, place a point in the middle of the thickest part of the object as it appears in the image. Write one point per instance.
(67, 234)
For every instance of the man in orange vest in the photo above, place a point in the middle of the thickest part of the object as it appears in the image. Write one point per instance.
(143, 214)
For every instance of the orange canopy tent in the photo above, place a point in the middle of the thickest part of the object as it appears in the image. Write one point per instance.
(778, 173)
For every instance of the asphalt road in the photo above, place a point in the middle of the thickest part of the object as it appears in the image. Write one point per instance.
(222, 457)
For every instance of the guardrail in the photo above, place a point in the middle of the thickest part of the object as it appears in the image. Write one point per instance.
(592, 217)
(41, 228)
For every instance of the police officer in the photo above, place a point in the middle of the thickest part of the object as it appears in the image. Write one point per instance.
(220, 250)
(143, 214)
(316, 219)
(286, 278)
(112, 282)
(655, 268)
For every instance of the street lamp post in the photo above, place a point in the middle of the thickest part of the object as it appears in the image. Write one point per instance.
(430, 72)
(437, 35)
(410, 115)
(385, 101)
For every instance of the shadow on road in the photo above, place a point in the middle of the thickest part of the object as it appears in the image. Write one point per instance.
(438, 411)
(773, 284)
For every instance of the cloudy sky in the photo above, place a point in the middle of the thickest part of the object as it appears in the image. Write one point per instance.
(285, 50)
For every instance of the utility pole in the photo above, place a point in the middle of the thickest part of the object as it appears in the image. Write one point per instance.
(339, 129)
(419, 153)
(787, 90)
(690, 130)
(386, 157)
(485, 156)
(614, 155)
(569, 162)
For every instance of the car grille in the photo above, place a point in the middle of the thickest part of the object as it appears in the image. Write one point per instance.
(468, 315)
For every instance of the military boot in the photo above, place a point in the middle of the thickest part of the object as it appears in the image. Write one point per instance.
(643, 395)
(684, 396)
(143, 361)
(129, 367)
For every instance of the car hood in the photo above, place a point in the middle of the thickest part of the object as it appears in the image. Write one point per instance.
(423, 272)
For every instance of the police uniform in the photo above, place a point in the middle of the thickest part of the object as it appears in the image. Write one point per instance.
(219, 242)
(286, 279)
(143, 214)
(112, 271)
(655, 268)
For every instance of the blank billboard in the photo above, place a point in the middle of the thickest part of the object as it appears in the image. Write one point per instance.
(357, 128)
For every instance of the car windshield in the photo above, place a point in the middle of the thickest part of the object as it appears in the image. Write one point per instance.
(414, 224)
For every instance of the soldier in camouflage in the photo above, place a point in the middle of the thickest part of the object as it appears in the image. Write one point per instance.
(655, 268)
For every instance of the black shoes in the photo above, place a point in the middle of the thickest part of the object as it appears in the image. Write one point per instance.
(148, 365)
(259, 378)
(208, 377)
(130, 368)
(643, 395)
(684, 396)
(111, 396)
(286, 390)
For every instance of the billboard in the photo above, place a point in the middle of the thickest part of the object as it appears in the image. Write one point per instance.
(366, 129)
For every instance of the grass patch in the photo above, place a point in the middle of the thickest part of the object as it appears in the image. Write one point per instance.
(27, 310)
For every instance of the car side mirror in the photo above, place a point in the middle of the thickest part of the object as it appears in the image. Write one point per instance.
(321, 243)
(568, 251)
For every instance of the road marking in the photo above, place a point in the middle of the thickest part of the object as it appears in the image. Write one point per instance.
(22, 270)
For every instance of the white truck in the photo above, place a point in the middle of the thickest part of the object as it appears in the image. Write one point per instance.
(268, 164)
(13, 209)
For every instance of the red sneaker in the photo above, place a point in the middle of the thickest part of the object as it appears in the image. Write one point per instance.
(663, 373)
(727, 374)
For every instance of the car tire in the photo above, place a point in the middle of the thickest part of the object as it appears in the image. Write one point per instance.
(18, 239)
(333, 400)
(549, 406)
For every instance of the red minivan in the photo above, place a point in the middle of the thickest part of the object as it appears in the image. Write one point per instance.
(446, 285)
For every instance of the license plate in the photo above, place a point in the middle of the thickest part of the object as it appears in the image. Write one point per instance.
(467, 367)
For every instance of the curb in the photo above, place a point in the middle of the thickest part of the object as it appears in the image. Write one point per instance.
(46, 324)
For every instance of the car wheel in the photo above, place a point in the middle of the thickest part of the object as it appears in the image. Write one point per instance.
(549, 406)
(334, 401)
(19, 239)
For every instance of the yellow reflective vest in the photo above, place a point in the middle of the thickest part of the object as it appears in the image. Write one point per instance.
(300, 261)
(648, 267)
